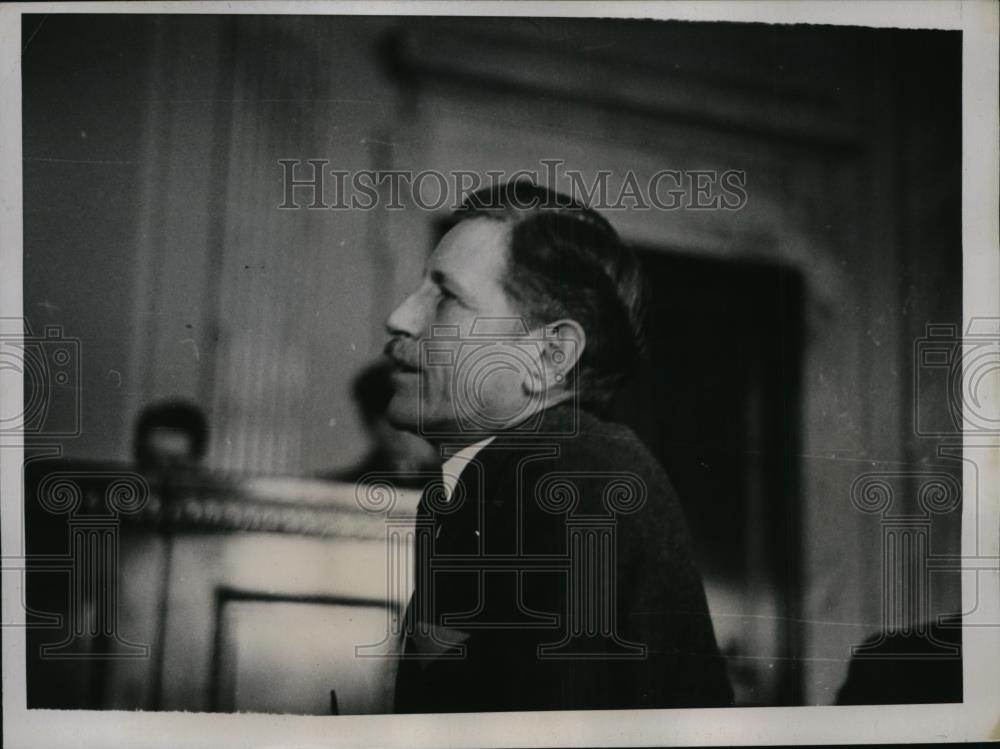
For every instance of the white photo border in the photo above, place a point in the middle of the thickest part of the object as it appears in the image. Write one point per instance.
(977, 718)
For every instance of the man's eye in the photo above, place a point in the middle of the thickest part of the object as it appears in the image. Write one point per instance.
(446, 295)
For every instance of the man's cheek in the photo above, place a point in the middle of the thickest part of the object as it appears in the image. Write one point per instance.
(437, 392)
(505, 396)
(493, 397)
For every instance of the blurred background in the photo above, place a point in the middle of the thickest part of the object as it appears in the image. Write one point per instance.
(224, 350)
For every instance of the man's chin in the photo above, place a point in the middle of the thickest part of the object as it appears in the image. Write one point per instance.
(403, 419)
(406, 416)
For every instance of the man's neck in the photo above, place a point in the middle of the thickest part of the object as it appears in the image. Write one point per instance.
(458, 441)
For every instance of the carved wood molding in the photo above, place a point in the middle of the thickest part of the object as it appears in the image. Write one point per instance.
(237, 514)
(109, 495)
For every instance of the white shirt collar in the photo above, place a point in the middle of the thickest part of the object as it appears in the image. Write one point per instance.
(453, 467)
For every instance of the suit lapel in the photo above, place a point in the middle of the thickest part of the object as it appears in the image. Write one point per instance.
(457, 522)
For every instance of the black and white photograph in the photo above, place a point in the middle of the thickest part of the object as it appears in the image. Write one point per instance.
(509, 374)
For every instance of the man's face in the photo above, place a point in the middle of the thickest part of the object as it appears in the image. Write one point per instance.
(463, 282)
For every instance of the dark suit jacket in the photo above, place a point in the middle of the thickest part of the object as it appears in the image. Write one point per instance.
(559, 577)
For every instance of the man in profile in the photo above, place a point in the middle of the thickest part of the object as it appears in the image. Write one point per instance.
(554, 569)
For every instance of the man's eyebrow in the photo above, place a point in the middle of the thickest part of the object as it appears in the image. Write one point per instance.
(443, 279)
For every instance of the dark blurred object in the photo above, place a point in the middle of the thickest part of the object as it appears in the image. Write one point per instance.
(399, 456)
(918, 667)
(170, 435)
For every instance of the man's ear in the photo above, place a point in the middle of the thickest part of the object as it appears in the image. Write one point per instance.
(561, 345)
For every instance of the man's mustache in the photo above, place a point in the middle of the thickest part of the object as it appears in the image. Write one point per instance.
(402, 353)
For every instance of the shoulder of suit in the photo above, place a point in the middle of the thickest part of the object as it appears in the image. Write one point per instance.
(605, 465)
(609, 452)
(588, 447)
(600, 448)
(607, 442)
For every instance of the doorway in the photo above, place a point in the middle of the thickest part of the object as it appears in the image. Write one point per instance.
(717, 401)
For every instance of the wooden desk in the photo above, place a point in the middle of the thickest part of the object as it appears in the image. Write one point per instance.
(246, 595)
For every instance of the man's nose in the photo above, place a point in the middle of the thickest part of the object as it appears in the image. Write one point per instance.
(406, 319)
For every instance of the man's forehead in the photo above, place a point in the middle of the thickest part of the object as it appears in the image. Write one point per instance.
(473, 247)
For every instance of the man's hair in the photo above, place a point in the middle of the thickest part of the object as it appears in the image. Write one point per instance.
(172, 414)
(565, 261)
